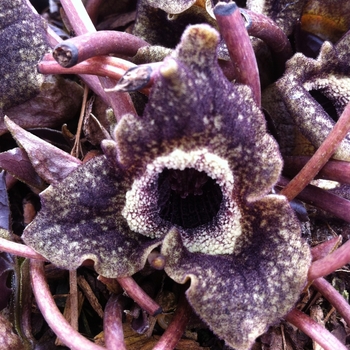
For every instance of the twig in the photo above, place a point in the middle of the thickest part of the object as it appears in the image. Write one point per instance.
(321, 156)
(52, 315)
(75, 50)
(174, 332)
(73, 299)
(233, 31)
(136, 293)
(334, 297)
(330, 263)
(112, 324)
(314, 330)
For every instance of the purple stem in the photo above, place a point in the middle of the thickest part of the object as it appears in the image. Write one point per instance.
(334, 297)
(174, 332)
(321, 156)
(52, 315)
(82, 24)
(314, 330)
(235, 35)
(325, 248)
(19, 250)
(323, 199)
(75, 50)
(136, 293)
(330, 263)
(336, 170)
(112, 324)
(266, 29)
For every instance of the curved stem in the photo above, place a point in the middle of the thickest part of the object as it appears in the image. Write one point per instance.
(323, 199)
(233, 31)
(75, 50)
(136, 293)
(314, 330)
(112, 324)
(52, 315)
(174, 332)
(19, 250)
(321, 156)
(334, 297)
(335, 170)
(330, 263)
(325, 248)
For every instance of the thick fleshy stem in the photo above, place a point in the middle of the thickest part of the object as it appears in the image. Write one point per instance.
(174, 332)
(322, 199)
(101, 65)
(112, 324)
(235, 35)
(334, 297)
(52, 315)
(330, 263)
(120, 102)
(314, 330)
(321, 156)
(335, 170)
(19, 250)
(75, 50)
(325, 248)
(266, 29)
(135, 292)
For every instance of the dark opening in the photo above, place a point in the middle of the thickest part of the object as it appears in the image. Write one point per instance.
(188, 198)
(326, 103)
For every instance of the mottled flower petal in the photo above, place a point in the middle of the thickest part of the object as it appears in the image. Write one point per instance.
(239, 296)
(289, 100)
(193, 106)
(80, 219)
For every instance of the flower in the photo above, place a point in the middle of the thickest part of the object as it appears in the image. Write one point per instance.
(194, 176)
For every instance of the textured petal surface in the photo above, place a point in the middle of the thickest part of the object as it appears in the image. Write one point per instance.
(80, 219)
(194, 106)
(240, 296)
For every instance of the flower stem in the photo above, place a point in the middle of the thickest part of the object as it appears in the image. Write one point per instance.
(325, 248)
(314, 330)
(330, 263)
(75, 50)
(174, 332)
(233, 31)
(52, 315)
(78, 17)
(266, 29)
(321, 156)
(112, 324)
(19, 250)
(323, 199)
(334, 297)
(136, 293)
(335, 170)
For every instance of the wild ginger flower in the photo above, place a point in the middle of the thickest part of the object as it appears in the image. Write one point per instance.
(193, 175)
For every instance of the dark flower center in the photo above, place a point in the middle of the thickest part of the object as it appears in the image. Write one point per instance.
(188, 198)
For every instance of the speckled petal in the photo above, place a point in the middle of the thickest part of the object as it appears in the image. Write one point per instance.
(80, 219)
(289, 101)
(240, 295)
(193, 106)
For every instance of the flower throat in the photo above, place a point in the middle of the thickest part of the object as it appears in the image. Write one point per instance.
(188, 198)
